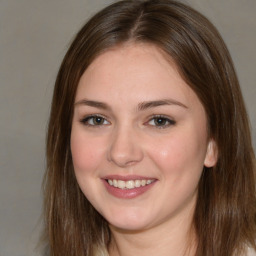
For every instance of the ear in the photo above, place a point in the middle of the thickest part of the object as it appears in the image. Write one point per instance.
(211, 156)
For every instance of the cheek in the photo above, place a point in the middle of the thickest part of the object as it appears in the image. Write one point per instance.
(86, 154)
(180, 153)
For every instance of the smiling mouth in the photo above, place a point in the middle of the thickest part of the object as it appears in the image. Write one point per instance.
(129, 184)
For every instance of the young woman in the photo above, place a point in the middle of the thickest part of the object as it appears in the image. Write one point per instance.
(149, 149)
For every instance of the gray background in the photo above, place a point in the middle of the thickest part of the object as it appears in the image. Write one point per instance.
(34, 35)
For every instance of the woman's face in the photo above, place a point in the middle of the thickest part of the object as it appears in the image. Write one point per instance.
(139, 139)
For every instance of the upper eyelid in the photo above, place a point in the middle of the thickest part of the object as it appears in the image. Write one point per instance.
(169, 119)
(95, 115)
(161, 116)
(88, 117)
(151, 117)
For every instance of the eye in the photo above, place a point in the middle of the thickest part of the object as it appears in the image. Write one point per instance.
(94, 120)
(161, 122)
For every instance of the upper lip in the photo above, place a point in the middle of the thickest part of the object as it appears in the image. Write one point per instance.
(126, 177)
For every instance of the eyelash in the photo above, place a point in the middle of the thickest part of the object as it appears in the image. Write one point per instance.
(86, 120)
(166, 121)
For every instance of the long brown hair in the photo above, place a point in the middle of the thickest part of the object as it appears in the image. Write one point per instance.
(224, 217)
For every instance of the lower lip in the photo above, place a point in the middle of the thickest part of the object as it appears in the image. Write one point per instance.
(127, 193)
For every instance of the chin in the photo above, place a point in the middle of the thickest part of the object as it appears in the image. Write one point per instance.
(128, 227)
(129, 222)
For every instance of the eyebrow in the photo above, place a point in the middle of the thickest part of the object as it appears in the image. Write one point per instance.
(151, 104)
(92, 103)
(141, 106)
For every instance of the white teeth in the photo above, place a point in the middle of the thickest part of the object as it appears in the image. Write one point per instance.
(129, 184)
(121, 184)
(115, 183)
(137, 183)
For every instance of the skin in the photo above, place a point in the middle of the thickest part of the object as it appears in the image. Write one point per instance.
(129, 141)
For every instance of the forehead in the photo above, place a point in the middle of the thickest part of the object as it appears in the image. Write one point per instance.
(133, 71)
(137, 52)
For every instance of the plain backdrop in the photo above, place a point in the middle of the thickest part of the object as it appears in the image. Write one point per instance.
(34, 36)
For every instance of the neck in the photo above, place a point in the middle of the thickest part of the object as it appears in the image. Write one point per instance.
(174, 237)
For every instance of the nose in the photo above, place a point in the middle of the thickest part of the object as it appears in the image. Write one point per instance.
(125, 149)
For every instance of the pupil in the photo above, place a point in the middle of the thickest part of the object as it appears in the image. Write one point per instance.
(160, 121)
(98, 120)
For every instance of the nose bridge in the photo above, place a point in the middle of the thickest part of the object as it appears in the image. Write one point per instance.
(124, 149)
